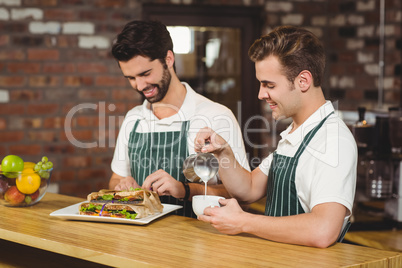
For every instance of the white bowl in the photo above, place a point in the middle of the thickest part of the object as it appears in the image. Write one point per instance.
(200, 202)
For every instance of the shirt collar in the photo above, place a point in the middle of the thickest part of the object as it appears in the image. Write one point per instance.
(311, 122)
(186, 111)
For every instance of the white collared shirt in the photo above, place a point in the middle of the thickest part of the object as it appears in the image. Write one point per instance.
(326, 171)
(200, 111)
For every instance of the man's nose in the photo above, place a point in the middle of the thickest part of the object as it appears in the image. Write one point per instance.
(141, 83)
(263, 94)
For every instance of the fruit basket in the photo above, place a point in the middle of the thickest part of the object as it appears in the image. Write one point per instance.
(26, 187)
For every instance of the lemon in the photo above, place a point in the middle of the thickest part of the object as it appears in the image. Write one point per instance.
(28, 183)
(29, 165)
(28, 170)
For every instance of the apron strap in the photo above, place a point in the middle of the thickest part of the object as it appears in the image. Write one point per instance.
(309, 137)
(136, 125)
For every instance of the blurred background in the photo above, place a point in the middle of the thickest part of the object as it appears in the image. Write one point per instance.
(62, 94)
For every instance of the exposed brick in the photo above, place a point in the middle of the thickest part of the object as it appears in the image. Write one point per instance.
(348, 6)
(91, 173)
(60, 94)
(59, 148)
(45, 136)
(101, 15)
(53, 122)
(3, 150)
(347, 32)
(59, 67)
(12, 109)
(60, 14)
(31, 41)
(4, 14)
(12, 81)
(75, 81)
(25, 149)
(100, 42)
(49, 27)
(44, 81)
(3, 124)
(354, 94)
(39, 136)
(87, 121)
(77, 161)
(337, 94)
(43, 54)
(348, 56)
(26, 13)
(371, 94)
(87, 54)
(77, 189)
(73, 2)
(45, 108)
(355, 19)
(126, 94)
(67, 41)
(44, 3)
(24, 123)
(63, 175)
(78, 28)
(23, 67)
(111, 81)
(11, 27)
(11, 54)
(83, 136)
(338, 20)
(25, 95)
(4, 40)
(91, 67)
(353, 44)
(292, 19)
(371, 43)
(365, 5)
(279, 6)
(110, 3)
(85, 94)
(11, 136)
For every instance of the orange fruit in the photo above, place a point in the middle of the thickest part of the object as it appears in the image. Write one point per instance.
(29, 165)
(28, 183)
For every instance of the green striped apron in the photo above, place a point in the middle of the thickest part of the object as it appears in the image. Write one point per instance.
(149, 152)
(282, 199)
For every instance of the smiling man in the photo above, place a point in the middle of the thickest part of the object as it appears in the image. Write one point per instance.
(310, 180)
(157, 136)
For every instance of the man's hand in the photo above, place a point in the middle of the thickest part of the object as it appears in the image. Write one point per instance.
(126, 183)
(226, 219)
(208, 141)
(161, 182)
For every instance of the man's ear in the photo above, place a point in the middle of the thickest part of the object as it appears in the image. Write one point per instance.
(169, 59)
(304, 80)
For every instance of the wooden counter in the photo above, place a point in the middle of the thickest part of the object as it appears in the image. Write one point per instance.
(384, 239)
(171, 241)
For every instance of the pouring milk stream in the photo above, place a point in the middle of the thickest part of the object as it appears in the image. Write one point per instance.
(202, 166)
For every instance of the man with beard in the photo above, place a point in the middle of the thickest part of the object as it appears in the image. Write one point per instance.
(157, 136)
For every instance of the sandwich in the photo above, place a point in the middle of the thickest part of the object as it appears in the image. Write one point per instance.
(133, 204)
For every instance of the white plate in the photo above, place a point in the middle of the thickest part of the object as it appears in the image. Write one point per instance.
(71, 213)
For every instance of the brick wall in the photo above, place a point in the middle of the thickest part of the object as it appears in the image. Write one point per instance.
(63, 95)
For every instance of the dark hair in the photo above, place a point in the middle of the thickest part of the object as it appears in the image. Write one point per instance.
(143, 38)
(297, 49)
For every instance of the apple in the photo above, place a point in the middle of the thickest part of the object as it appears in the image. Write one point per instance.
(3, 184)
(13, 196)
(35, 195)
(12, 163)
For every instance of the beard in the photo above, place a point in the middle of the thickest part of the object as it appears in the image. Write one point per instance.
(162, 87)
